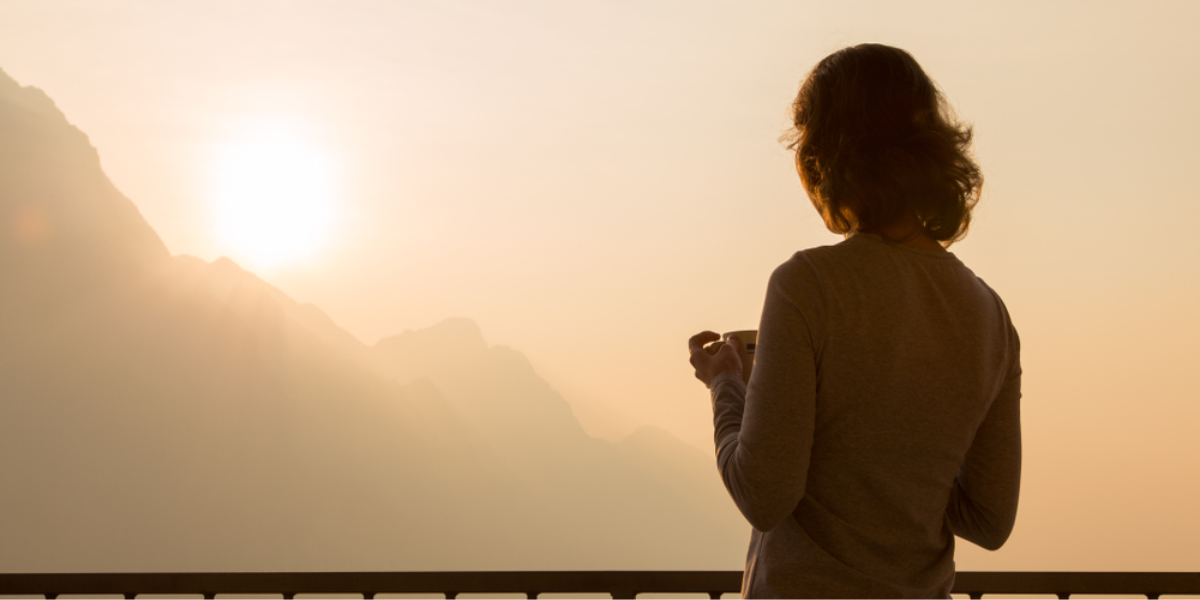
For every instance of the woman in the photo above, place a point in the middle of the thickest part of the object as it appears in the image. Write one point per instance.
(882, 417)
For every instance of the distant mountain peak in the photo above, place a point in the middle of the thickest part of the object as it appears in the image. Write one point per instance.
(462, 330)
(28, 98)
(456, 335)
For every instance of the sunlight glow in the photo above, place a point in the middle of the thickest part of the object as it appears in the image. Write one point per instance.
(273, 197)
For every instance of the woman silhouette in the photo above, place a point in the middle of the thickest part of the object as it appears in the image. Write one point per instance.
(882, 417)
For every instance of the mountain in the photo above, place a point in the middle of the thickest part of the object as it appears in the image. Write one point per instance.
(163, 412)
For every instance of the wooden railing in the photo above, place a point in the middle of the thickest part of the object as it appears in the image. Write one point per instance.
(618, 584)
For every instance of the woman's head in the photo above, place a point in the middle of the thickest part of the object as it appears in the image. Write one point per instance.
(876, 145)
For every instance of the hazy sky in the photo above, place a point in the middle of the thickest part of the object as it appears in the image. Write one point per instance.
(593, 182)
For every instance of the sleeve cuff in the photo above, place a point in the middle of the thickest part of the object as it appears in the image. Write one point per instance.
(726, 377)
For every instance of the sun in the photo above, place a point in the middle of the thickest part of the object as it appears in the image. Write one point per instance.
(273, 197)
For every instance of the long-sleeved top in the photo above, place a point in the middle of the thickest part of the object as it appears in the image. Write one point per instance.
(882, 418)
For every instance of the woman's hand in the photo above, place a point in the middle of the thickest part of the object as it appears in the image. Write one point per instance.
(708, 366)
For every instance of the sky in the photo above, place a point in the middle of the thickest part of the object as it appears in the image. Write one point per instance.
(594, 182)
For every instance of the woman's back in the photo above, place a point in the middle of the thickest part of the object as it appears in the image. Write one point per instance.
(911, 351)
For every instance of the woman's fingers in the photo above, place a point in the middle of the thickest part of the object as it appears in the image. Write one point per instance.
(699, 358)
(697, 342)
(709, 365)
(727, 358)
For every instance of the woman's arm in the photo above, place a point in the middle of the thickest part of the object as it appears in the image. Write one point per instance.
(764, 435)
(983, 502)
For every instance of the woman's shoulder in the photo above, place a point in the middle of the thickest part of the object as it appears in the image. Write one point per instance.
(812, 267)
(1002, 309)
(854, 250)
(804, 276)
(800, 266)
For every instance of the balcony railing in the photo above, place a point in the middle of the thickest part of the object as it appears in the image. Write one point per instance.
(618, 584)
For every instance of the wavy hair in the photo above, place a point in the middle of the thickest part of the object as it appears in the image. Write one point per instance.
(876, 142)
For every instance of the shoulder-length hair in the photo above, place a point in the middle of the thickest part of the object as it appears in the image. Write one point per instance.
(876, 143)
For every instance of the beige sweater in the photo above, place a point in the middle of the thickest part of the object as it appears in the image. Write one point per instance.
(881, 420)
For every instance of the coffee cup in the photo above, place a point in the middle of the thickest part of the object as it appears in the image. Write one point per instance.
(748, 338)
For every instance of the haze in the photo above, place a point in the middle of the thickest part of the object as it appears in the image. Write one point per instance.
(593, 182)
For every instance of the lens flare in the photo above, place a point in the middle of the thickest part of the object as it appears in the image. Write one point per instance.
(31, 226)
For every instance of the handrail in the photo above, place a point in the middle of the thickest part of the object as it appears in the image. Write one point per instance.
(620, 584)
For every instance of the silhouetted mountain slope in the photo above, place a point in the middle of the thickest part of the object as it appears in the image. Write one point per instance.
(166, 413)
(651, 488)
(67, 228)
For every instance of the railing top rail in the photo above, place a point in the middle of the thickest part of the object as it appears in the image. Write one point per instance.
(373, 582)
(529, 582)
(1077, 582)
